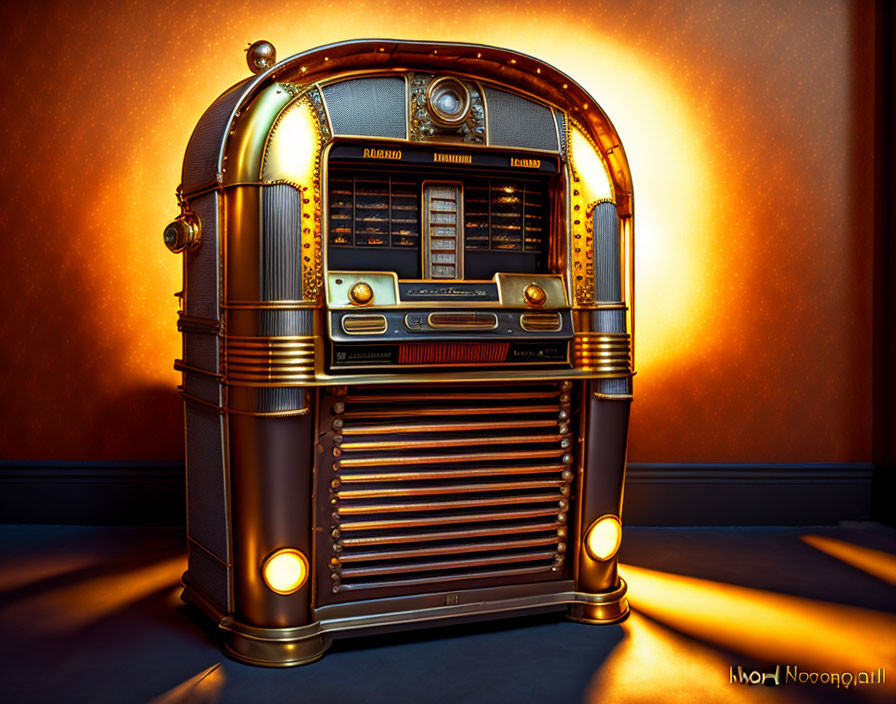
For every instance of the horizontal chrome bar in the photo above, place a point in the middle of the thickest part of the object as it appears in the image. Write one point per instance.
(446, 520)
(446, 459)
(444, 578)
(448, 505)
(449, 473)
(449, 442)
(448, 427)
(447, 549)
(447, 565)
(449, 411)
(453, 489)
(463, 534)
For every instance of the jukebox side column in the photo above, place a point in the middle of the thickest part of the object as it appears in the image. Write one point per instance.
(602, 347)
(268, 361)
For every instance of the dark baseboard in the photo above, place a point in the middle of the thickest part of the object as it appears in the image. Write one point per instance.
(740, 494)
(147, 493)
(93, 493)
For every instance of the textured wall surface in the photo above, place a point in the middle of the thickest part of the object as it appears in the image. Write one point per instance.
(748, 126)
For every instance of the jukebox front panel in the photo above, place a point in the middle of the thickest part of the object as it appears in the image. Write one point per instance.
(407, 338)
(427, 488)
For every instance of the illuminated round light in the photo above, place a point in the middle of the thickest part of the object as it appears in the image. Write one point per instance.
(361, 294)
(285, 571)
(603, 538)
(449, 101)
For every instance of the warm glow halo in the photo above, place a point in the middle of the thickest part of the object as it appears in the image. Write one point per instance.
(590, 166)
(604, 537)
(285, 571)
(669, 159)
(291, 152)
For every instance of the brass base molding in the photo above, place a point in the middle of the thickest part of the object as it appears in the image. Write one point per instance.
(288, 647)
(601, 609)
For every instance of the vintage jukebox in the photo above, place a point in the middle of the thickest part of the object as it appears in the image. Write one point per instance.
(407, 345)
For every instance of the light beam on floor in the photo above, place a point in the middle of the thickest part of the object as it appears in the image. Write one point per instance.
(765, 626)
(875, 562)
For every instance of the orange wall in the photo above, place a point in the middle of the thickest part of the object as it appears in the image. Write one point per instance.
(748, 126)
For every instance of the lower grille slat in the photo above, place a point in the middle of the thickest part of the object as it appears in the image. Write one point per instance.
(461, 576)
(448, 442)
(448, 550)
(437, 459)
(444, 520)
(447, 564)
(468, 533)
(441, 490)
(450, 505)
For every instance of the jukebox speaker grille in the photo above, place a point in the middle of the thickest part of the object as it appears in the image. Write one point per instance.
(281, 245)
(203, 294)
(368, 107)
(608, 275)
(444, 486)
(516, 122)
(206, 499)
(201, 159)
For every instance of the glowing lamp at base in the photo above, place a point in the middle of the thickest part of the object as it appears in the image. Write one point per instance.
(603, 538)
(285, 571)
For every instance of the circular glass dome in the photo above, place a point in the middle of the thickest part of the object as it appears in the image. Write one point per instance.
(449, 101)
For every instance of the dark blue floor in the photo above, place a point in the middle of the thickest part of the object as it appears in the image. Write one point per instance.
(93, 615)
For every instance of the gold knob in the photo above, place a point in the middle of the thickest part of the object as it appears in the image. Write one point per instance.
(535, 295)
(361, 294)
(183, 234)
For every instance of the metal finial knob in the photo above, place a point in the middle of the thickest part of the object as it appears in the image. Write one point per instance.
(261, 55)
(185, 233)
(361, 294)
(535, 295)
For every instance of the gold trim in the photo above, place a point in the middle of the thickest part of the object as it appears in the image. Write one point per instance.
(461, 321)
(181, 366)
(608, 354)
(269, 361)
(270, 414)
(269, 305)
(612, 397)
(364, 324)
(539, 322)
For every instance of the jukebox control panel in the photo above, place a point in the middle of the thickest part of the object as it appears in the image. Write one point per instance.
(377, 320)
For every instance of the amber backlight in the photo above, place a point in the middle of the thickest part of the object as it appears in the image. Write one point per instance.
(749, 139)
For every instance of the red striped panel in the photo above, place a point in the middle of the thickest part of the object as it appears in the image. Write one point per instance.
(448, 352)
